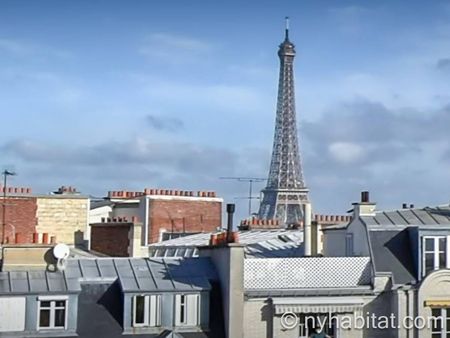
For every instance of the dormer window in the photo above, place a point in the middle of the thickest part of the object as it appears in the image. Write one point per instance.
(52, 313)
(434, 253)
(146, 310)
(186, 309)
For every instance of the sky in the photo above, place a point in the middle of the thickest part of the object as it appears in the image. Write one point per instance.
(111, 95)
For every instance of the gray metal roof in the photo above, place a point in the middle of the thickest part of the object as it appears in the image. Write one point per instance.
(391, 252)
(133, 274)
(424, 217)
(23, 282)
(94, 204)
(258, 244)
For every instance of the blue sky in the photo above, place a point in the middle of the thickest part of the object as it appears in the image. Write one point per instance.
(106, 95)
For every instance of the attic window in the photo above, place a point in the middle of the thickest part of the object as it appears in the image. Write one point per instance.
(186, 309)
(52, 314)
(434, 253)
(146, 310)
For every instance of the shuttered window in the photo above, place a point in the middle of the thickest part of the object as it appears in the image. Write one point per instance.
(146, 310)
(186, 309)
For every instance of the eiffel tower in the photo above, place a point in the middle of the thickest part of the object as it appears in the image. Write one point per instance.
(285, 192)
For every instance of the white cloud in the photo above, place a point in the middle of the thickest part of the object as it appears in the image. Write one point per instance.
(223, 97)
(25, 49)
(346, 152)
(174, 48)
(14, 47)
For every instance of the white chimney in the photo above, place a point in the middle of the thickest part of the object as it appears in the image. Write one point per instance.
(307, 229)
(365, 207)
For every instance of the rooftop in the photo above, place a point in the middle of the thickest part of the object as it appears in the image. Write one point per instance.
(133, 274)
(392, 253)
(307, 273)
(435, 216)
(258, 243)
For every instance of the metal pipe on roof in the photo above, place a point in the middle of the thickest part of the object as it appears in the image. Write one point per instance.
(230, 212)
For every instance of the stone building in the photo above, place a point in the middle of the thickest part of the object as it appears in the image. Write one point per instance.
(62, 215)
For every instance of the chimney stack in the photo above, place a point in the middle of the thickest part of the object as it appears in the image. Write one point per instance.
(365, 207)
(307, 236)
(365, 197)
(230, 212)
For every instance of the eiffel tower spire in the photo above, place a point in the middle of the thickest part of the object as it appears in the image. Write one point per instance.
(286, 192)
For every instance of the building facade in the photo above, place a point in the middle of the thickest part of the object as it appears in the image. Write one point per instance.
(62, 215)
(126, 223)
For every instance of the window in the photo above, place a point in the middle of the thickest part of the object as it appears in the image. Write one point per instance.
(434, 253)
(349, 245)
(146, 310)
(186, 310)
(52, 313)
(441, 323)
(308, 323)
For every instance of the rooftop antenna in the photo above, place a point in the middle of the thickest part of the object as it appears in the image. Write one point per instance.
(61, 252)
(250, 180)
(5, 173)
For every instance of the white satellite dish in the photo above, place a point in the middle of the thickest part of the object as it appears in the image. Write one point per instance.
(61, 251)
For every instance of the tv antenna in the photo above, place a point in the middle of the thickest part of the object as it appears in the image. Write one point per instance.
(250, 181)
(5, 172)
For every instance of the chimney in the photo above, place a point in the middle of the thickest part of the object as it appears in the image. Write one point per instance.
(314, 238)
(411, 206)
(404, 206)
(230, 212)
(364, 197)
(365, 207)
(307, 244)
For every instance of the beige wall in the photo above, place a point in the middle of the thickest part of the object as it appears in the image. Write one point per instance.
(258, 312)
(62, 216)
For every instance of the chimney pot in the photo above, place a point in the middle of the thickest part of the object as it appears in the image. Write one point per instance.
(365, 197)
(411, 206)
(404, 206)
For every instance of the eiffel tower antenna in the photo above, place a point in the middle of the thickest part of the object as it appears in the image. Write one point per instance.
(287, 28)
(286, 192)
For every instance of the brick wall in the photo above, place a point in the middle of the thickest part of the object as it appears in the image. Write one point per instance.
(20, 217)
(111, 239)
(183, 215)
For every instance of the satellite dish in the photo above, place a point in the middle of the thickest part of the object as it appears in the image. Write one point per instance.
(61, 251)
